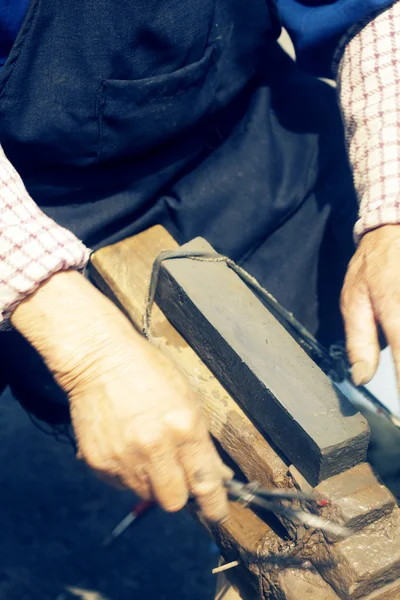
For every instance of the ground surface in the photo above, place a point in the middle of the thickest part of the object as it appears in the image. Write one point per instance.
(54, 514)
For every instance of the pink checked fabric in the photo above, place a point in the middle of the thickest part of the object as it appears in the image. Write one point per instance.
(369, 91)
(32, 246)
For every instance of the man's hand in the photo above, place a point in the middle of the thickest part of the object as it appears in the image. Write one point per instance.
(136, 420)
(371, 297)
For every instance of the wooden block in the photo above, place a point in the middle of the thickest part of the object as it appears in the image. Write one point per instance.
(387, 592)
(302, 584)
(260, 364)
(366, 561)
(358, 496)
(122, 271)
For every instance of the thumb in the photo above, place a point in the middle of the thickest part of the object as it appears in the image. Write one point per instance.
(361, 331)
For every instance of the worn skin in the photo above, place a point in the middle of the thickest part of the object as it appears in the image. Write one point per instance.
(136, 421)
(371, 298)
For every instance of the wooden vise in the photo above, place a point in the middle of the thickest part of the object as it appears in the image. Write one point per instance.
(277, 416)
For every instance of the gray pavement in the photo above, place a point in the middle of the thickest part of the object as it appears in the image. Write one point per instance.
(54, 514)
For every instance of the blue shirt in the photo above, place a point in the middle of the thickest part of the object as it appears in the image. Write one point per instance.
(12, 13)
(315, 26)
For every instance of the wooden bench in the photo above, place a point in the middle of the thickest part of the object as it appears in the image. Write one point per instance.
(276, 416)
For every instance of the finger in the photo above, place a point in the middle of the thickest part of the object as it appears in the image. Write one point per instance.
(205, 474)
(389, 317)
(114, 481)
(133, 473)
(160, 471)
(114, 473)
(168, 481)
(102, 463)
(361, 331)
(226, 473)
(106, 469)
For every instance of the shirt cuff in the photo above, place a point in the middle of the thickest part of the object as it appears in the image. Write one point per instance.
(32, 246)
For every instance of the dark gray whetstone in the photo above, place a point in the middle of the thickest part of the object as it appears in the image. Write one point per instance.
(260, 364)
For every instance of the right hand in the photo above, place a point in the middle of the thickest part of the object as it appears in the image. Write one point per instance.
(136, 420)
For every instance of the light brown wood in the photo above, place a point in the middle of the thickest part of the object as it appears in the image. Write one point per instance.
(122, 272)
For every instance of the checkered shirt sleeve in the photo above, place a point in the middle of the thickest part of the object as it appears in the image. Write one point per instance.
(369, 90)
(32, 246)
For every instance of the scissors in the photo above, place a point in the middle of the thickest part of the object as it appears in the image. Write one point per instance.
(282, 502)
(278, 501)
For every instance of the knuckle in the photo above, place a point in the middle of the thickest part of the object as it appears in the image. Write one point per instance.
(150, 438)
(101, 463)
(205, 485)
(215, 507)
(354, 354)
(175, 500)
(183, 422)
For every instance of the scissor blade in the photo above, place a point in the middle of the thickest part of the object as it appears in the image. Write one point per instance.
(241, 489)
(250, 494)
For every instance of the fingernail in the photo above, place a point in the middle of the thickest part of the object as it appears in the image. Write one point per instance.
(359, 373)
(220, 520)
(227, 473)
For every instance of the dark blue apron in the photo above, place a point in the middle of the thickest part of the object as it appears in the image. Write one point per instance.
(105, 106)
(121, 115)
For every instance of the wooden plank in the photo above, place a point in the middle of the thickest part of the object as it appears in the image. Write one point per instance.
(122, 271)
(365, 561)
(388, 592)
(358, 496)
(263, 368)
(302, 584)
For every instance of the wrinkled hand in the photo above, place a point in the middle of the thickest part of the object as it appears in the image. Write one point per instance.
(371, 297)
(138, 425)
(136, 421)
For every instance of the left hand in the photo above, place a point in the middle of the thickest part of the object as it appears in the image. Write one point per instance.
(371, 297)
